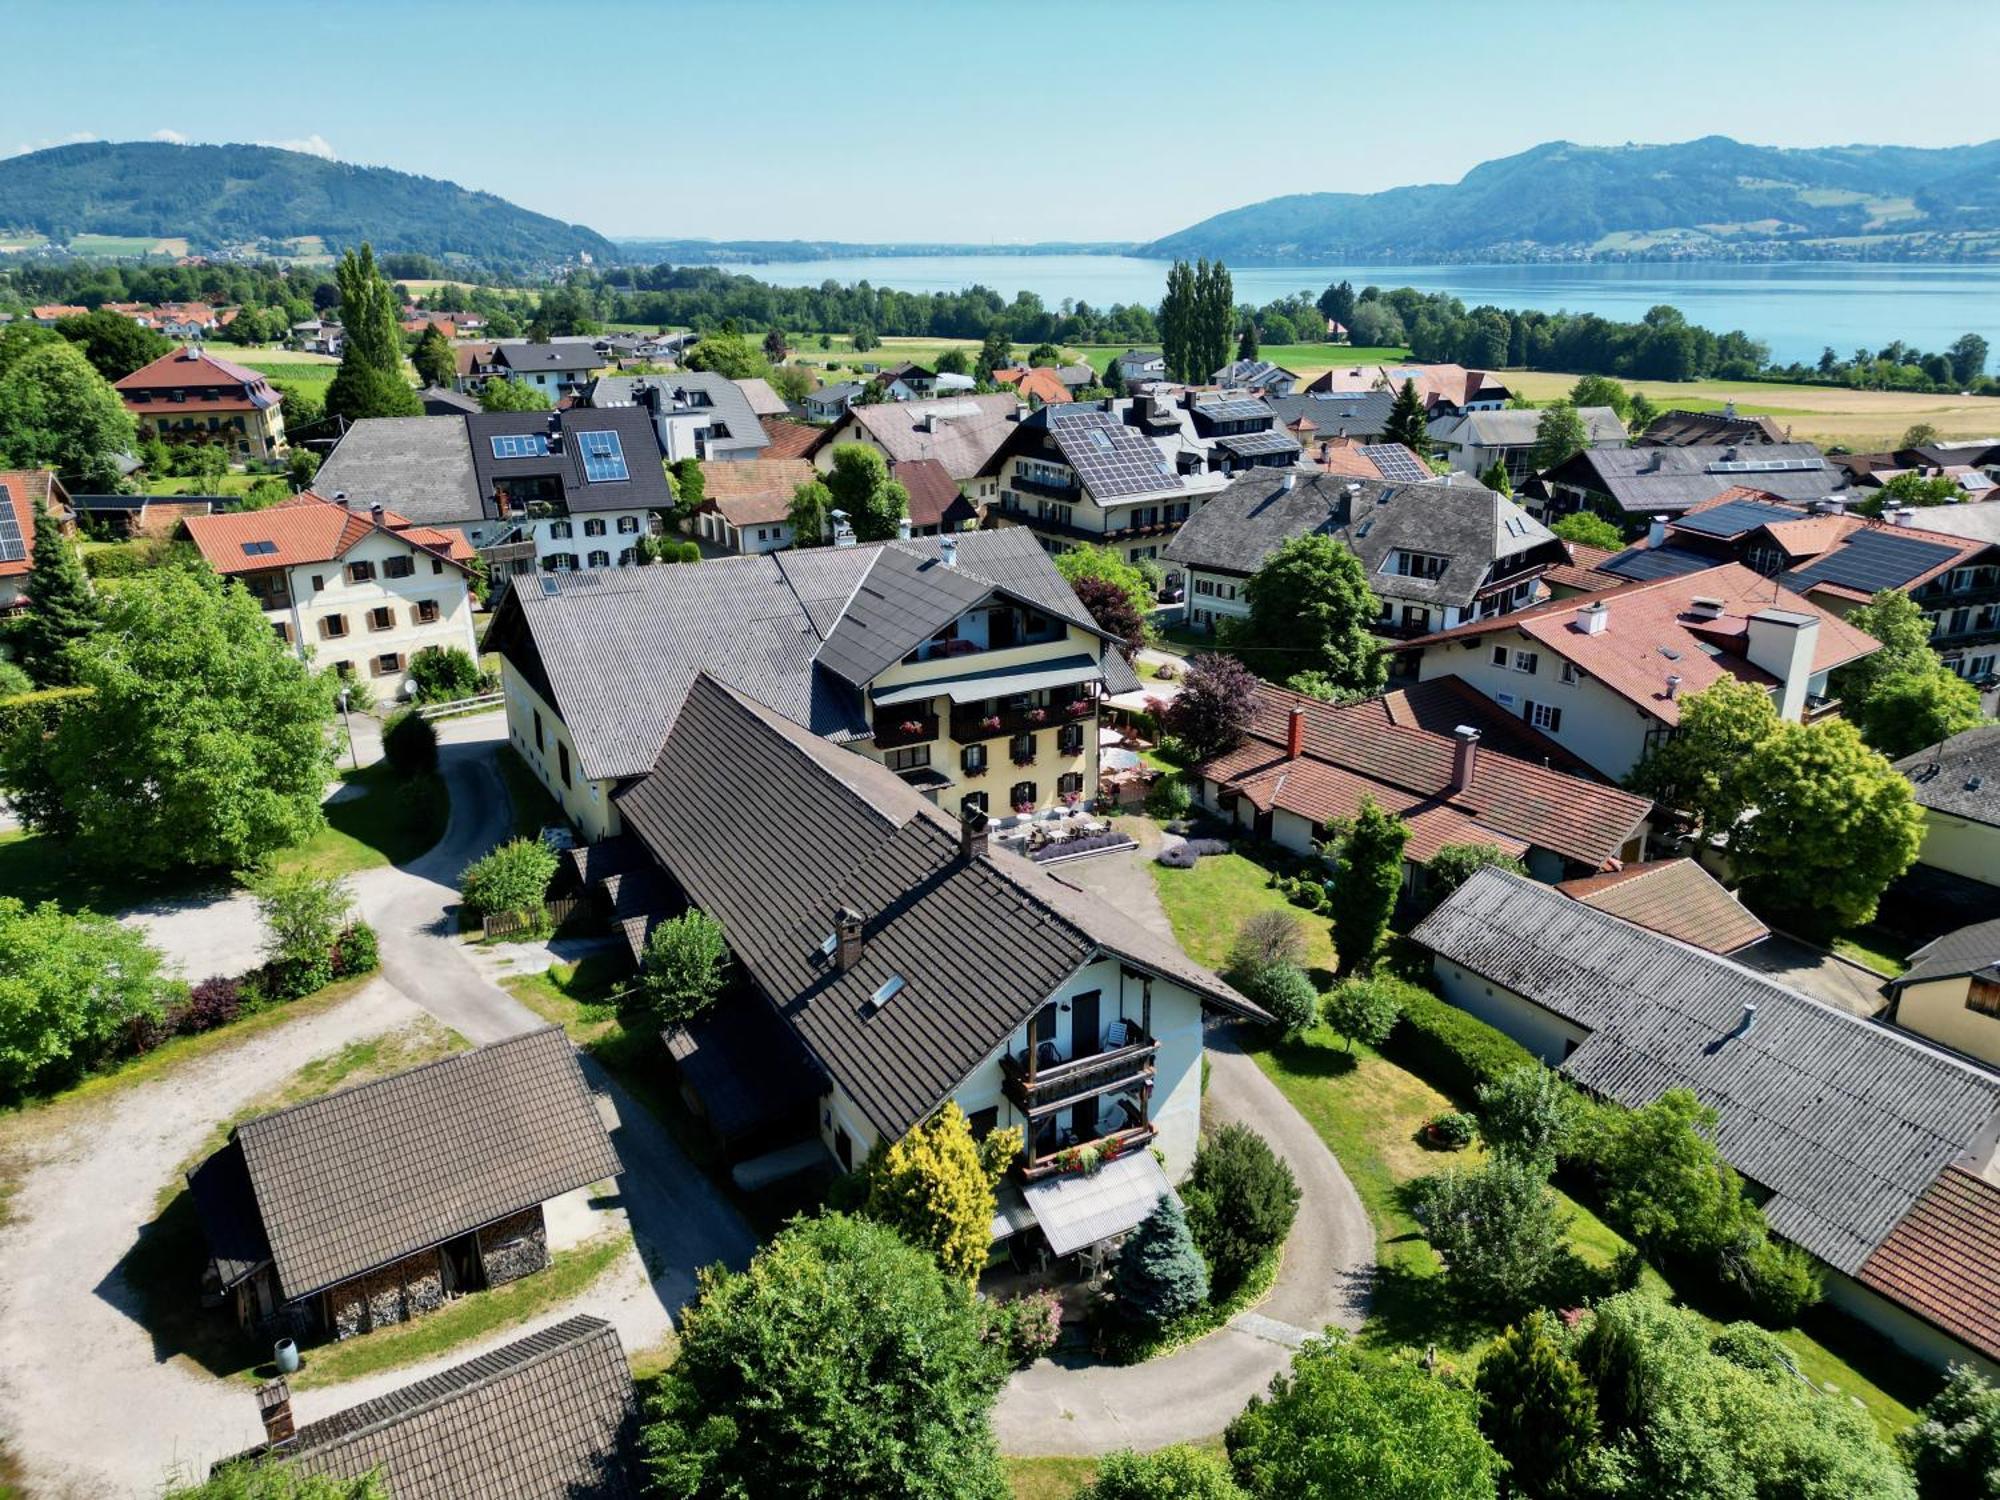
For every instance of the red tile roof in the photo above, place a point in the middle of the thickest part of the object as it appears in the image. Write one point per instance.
(23, 488)
(306, 529)
(53, 310)
(1397, 749)
(1943, 1260)
(1040, 381)
(1345, 456)
(793, 439)
(754, 492)
(1648, 619)
(193, 365)
(1674, 897)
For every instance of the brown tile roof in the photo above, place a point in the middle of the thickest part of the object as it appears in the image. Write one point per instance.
(754, 491)
(960, 432)
(19, 490)
(1398, 749)
(1675, 897)
(1943, 1260)
(1627, 655)
(306, 529)
(191, 365)
(1040, 381)
(552, 1414)
(793, 439)
(934, 495)
(373, 1173)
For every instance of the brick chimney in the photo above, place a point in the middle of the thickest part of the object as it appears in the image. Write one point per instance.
(847, 944)
(274, 1405)
(1464, 756)
(972, 831)
(1295, 735)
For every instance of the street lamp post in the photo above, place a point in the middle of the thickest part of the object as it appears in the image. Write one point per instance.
(353, 755)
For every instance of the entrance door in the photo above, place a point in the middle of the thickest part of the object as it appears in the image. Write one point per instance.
(1083, 1043)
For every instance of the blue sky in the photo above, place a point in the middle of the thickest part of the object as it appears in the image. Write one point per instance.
(963, 120)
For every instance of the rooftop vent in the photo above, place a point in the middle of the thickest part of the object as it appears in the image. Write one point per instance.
(1673, 685)
(1743, 1027)
(1705, 607)
(1290, 481)
(948, 550)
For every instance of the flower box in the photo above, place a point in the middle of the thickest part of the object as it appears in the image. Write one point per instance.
(1080, 706)
(990, 722)
(911, 726)
(1024, 808)
(1038, 716)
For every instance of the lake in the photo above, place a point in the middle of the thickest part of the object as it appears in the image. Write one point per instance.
(1796, 308)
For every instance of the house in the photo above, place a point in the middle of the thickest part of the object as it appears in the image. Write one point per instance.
(1337, 332)
(963, 433)
(1077, 473)
(1692, 429)
(1139, 366)
(830, 402)
(1436, 754)
(1971, 465)
(1951, 991)
(1629, 485)
(1444, 389)
(936, 656)
(1360, 415)
(1604, 675)
(764, 402)
(379, 1203)
(1438, 551)
(442, 324)
(419, 467)
(120, 516)
(747, 507)
(1077, 377)
(21, 490)
(1869, 1150)
(1042, 383)
(186, 320)
(1348, 458)
(1957, 784)
(695, 413)
(789, 439)
(908, 381)
(915, 962)
(49, 314)
(363, 591)
(1676, 898)
(190, 396)
(583, 485)
(551, 1414)
(1474, 441)
(319, 336)
(936, 502)
(439, 401)
(555, 370)
(1255, 375)
(1232, 429)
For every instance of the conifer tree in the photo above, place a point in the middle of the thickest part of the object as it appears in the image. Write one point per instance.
(1407, 423)
(1367, 875)
(1161, 1275)
(61, 607)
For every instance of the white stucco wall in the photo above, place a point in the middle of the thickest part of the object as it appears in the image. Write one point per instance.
(587, 804)
(1961, 846)
(1908, 1332)
(1548, 1036)
(322, 592)
(1937, 1009)
(1599, 726)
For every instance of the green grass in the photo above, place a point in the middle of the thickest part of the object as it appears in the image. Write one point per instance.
(1872, 948)
(125, 245)
(1048, 1478)
(36, 868)
(569, 1274)
(189, 484)
(534, 808)
(392, 824)
(1209, 902)
(1310, 359)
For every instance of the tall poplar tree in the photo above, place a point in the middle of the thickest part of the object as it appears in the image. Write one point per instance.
(1215, 309)
(1177, 320)
(370, 382)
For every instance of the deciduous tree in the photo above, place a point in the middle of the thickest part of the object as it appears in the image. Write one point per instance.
(1111, 607)
(810, 503)
(1211, 713)
(1588, 529)
(57, 412)
(370, 382)
(1700, 770)
(1454, 864)
(1180, 1472)
(436, 361)
(1362, 1010)
(498, 393)
(1954, 1450)
(996, 352)
(1527, 1113)
(1500, 1231)
(687, 959)
(511, 878)
(730, 355)
(1311, 610)
(1367, 875)
(1902, 697)
(114, 344)
(936, 1186)
(775, 347)
(70, 986)
(860, 485)
(1559, 436)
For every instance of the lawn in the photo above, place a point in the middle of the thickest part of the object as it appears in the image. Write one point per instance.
(125, 245)
(1048, 1478)
(534, 808)
(392, 823)
(842, 363)
(1208, 903)
(1873, 948)
(189, 484)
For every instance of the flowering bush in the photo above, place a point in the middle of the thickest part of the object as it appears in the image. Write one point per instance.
(1027, 1326)
(1451, 1131)
(1070, 799)
(212, 1003)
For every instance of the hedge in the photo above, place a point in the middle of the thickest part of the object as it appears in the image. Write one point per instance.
(1449, 1048)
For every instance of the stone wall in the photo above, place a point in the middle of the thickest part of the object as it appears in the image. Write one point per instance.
(514, 1247)
(394, 1294)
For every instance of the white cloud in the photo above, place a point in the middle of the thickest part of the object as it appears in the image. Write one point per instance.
(313, 145)
(74, 139)
(171, 137)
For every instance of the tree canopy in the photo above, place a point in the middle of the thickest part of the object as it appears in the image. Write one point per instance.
(57, 412)
(1559, 436)
(1311, 610)
(435, 359)
(370, 382)
(860, 485)
(70, 987)
(1211, 713)
(1408, 422)
(687, 958)
(1588, 529)
(1367, 875)
(728, 354)
(114, 344)
(1902, 697)
(61, 607)
(498, 393)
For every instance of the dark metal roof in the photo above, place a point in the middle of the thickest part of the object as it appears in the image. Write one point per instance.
(550, 1415)
(643, 487)
(1970, 950)
(772, 829)
(1358, 413)
(227, 1208)
(365, 1176)
(1733, 518)
(1960, 776)
(1846, 1123)
(1646, 481)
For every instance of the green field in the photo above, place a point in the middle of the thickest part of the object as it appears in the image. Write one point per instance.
(27, 241)
(125, 245)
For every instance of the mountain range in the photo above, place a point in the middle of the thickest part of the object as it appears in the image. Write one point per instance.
(1712, 197)
(219, 197)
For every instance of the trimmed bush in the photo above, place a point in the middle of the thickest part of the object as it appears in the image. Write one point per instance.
(1177, 857)
(444, 673)
(410, 744)
(1204, 848)
(214, 1002)
(1284, 990)
(1451, 1050)
(513, 878)
(1452, 1131)
(1307, 893)
(1241, 1199)
(355, 951)
(1363, 1010)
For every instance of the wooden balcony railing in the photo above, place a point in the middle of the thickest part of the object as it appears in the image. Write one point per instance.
(1039, 1090)
(894, 730)
(970, 726)
(1109, 1146)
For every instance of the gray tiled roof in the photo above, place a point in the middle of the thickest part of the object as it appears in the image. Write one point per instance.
(364, 1176)
(726, 405)
(1360, 414)
(1960, 777)
(1970, 950)
(771, 829)
(551, 1415)
(1510, 428)
(796, 630)
(1642, 481)
(1845, 1122)
(420, 467)
(645, 484)
(579, 354)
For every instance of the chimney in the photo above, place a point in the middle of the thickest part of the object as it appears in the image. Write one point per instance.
(1295, 735)
(1744, 1026)
(1783, 642)
(1595, 618)
(1673, 686)
(948, 550)
(1464, 756)
(847, 944)
(903, 529)
(1325, 449)
(972, 831)
(843, 534)
(1656, 532)
(1705, 607)
(1290, 481)
(274, 1405)
(1902, 515)
(340, 498)
(375, 513)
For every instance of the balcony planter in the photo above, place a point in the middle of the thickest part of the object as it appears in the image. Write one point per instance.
(1084, 1159)
(1038, 716)
(911, 726)
(1080, 706)
(991, 723)
(1070, 799)
(1022, 809)
(1024, 760)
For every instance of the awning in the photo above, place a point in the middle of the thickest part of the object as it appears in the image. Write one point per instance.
(1081, 1208)
(976, 687)
(1011, 1213)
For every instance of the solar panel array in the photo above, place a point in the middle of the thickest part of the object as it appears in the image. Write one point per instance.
(1874, 560)
(1648, 563)
(1234, 409)
(1395, 463)
(1257, 444)
(1765, 466)
(13, 546)
(603, 457)
(1110, 458)
(259, 549)
(520, 445)
(1736, 517)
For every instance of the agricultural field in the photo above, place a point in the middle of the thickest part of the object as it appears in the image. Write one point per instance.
(115, 245)
(25, 241)
(840, 362)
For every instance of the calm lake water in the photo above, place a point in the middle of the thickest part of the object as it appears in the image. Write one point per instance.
(1797, 309)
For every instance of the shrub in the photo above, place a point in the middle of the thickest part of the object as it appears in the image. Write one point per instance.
(1500, 1232)
(410, 744)
(513, 878)
(1160, 1275)
(1284, 990)
(1169, 798)
(443, 673)
(686, 959)
(1954, 1450)
(935, 1186)
(1451, 1050)
(1308, 893)
(1241, 1199)
(1453, 1130)
(1028, 1327)
(1527, 1113)
(303, 914)
(214, 1002)
(1364, 1010)
(1180, 1472)
(1776, 1280)
(1206, 848)
(1177, 857)
(1267, 937)
(355, 951)
(1536, 1408)
(1166, 671)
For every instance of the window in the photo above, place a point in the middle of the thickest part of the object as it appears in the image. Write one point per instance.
(1022, 797)
(1542, 715)
(1524, 661)
(1417, 564)
(562, 762)
(1499, 656)
(381, 617)
(600, 559)
(1070, 784)
(628, 556)
(437, 565)
(398, 567)
(259, 549)
(319, 582)
(972, 760)
(520, 445)
(561, 531)
(282, 631)
(594, 527)
(1069, 740)
(426, 612)
(360, 572)
(843, 1149)
(971, 805)
(983, 1122)
(344, 670)
(386, 665)
(1022, 748)
(603, 456)
(909, 758)
(628, 525)
(1983, 995)
(332, 627)
(1572, 674)
(538, 730)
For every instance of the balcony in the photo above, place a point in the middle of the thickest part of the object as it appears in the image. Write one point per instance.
(892, 731)
(1043, 1082)
(1817, 708)
(1054, 489)
(970, 726)
(1071, 1156)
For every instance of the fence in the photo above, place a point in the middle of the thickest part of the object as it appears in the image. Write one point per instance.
(555, 912)
(462, 706)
